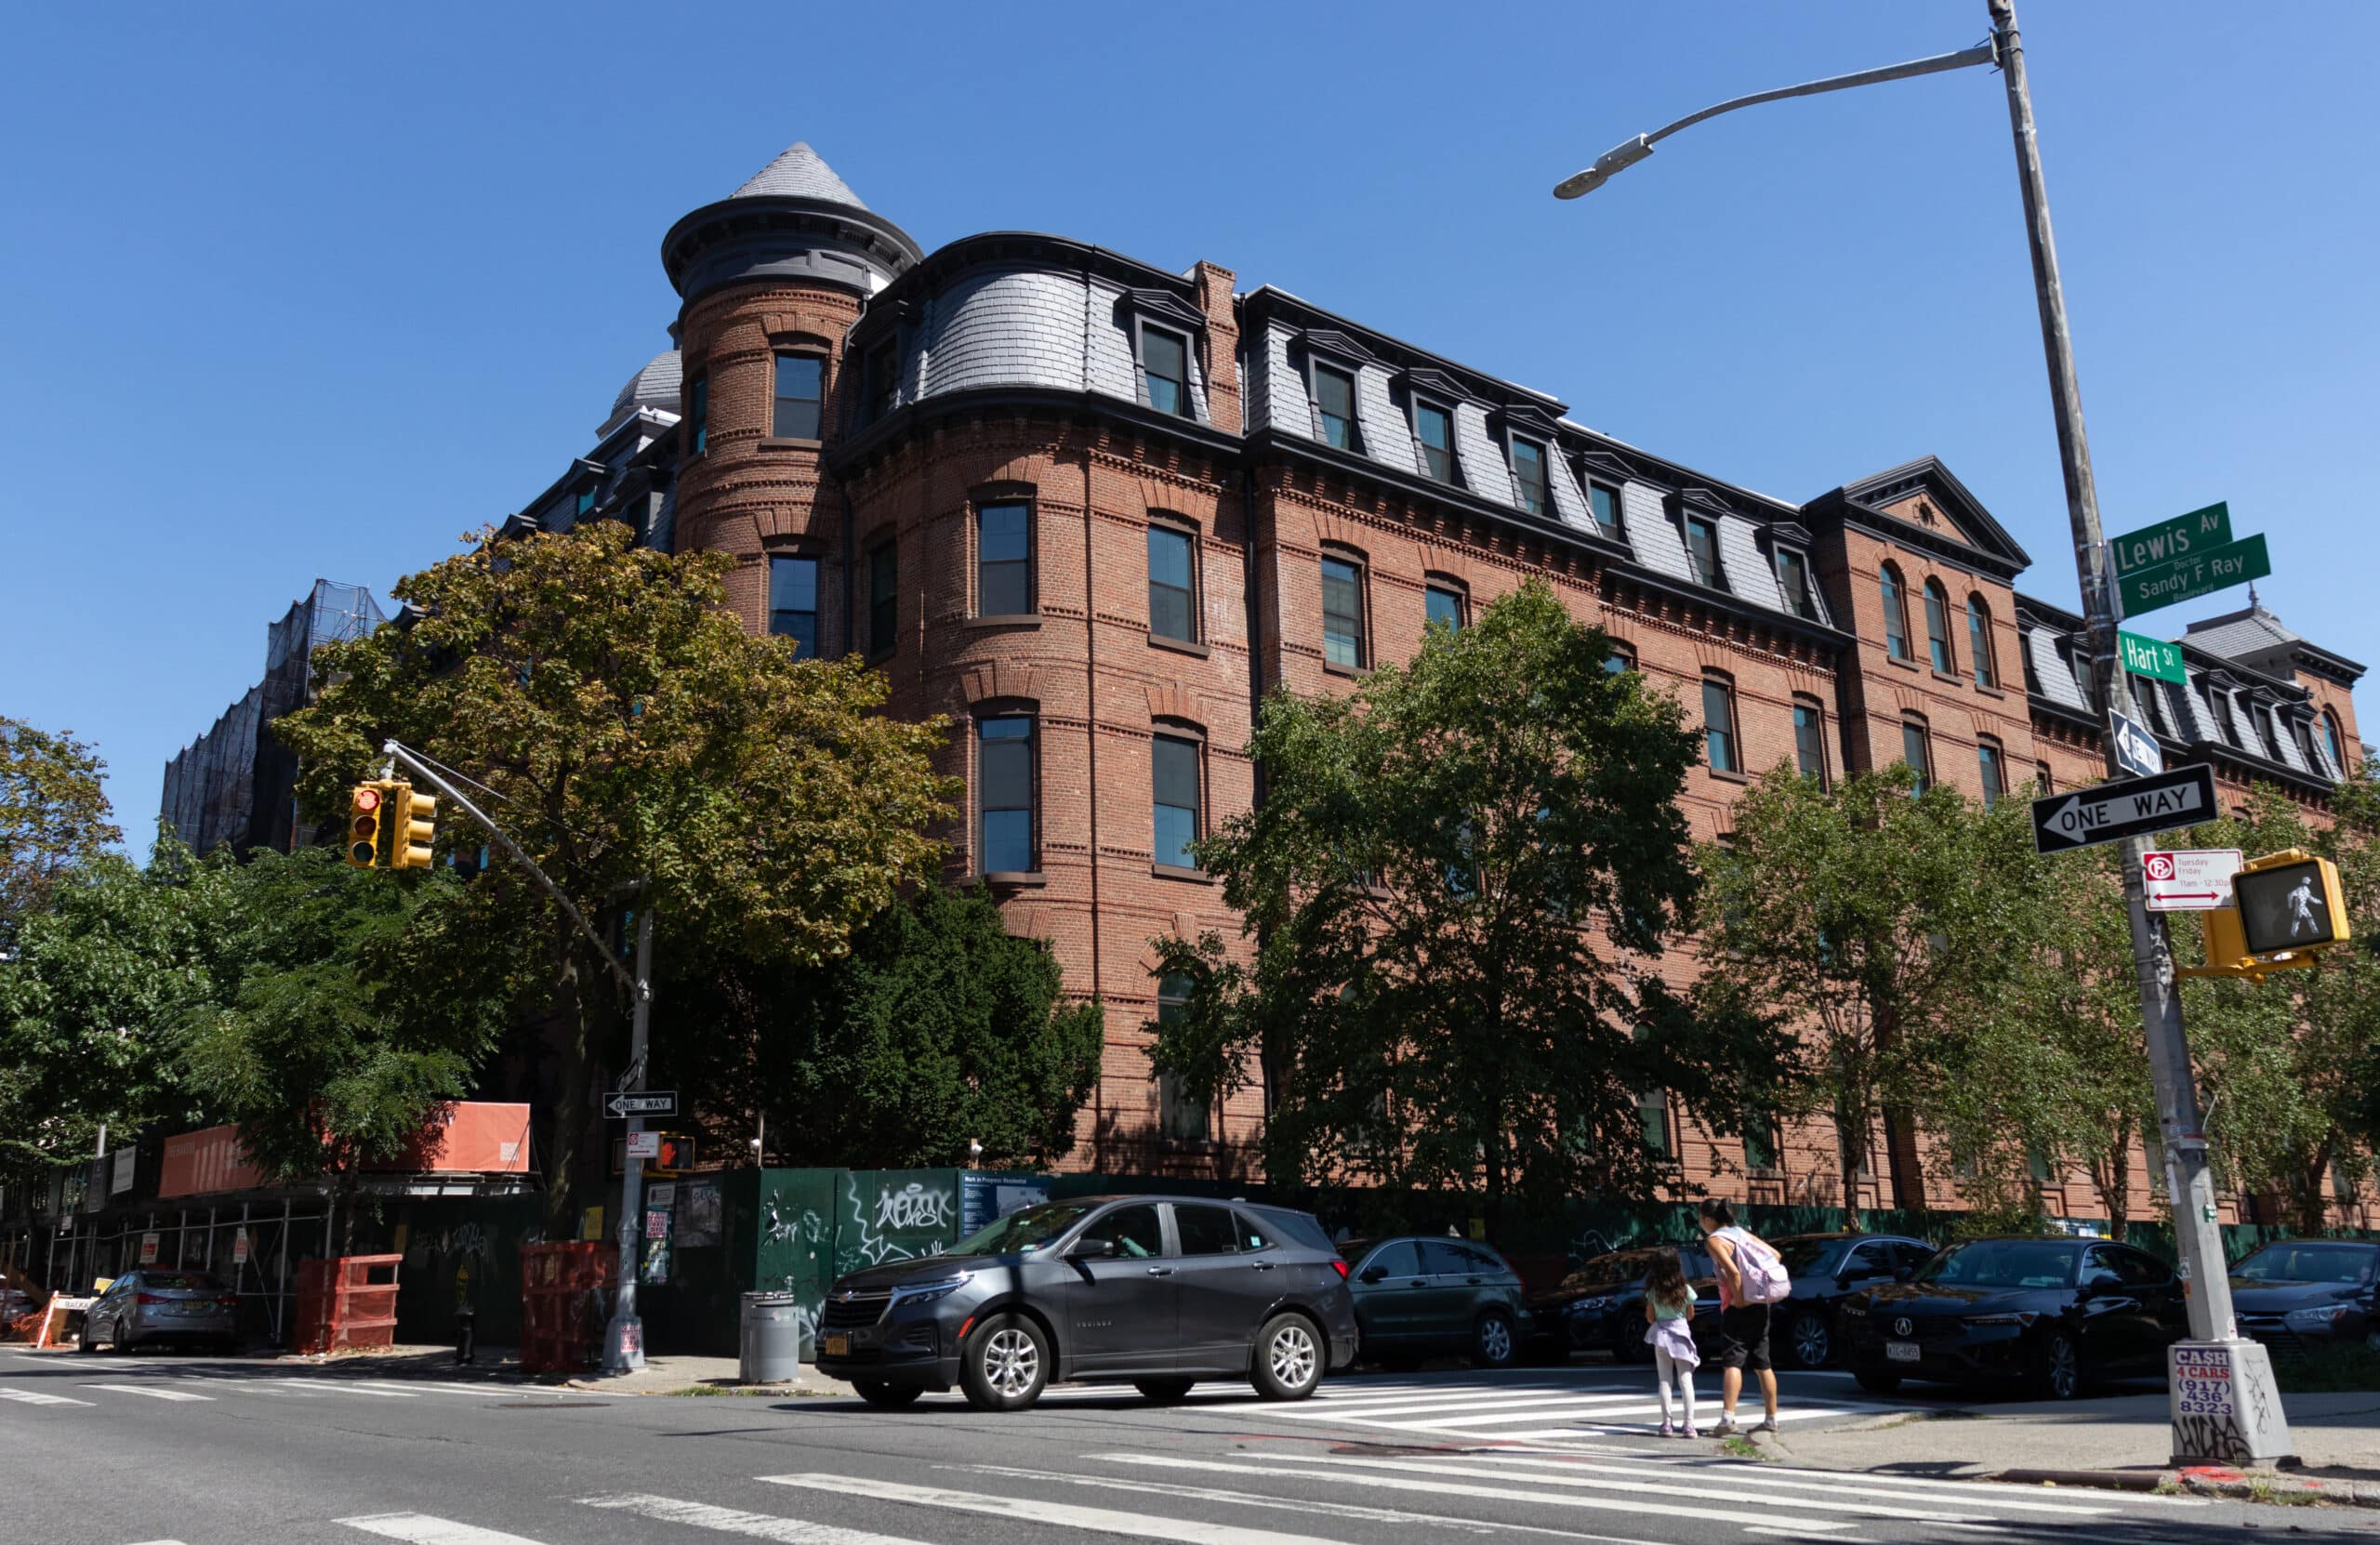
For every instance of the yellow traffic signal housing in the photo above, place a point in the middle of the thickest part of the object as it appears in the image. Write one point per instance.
(2287, 909)
(413, 823)
(367, 813)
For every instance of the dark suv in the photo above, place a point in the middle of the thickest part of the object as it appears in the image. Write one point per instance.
(1155, 1292)
(1601, 1305)
(1828, 1268)
(1421, 1295)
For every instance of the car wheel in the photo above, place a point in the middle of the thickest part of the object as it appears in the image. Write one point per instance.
(1493, 1342)
(89, 1342)
(1877, 1381)
(1289, 1359)
(2371, 1339)
(887, 1397)
(1164, 1392)
(1005, 1365)
(1810, 1339)
(2059, 1372)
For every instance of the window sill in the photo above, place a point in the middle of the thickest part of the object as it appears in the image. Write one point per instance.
(1175, 871)
(1892, 659)
(1179, 646)
(1348, 671)
(1014, 878)
(1951, 676)
(772, 443)
(1725, 777)
(1989, 692)
(1010, 619)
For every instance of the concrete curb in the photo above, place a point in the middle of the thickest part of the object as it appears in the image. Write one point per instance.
(2234, 1486)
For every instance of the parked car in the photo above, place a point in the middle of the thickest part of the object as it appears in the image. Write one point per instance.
(157, 1304)
(2053, 1314)
(1601, 1305)
(2299, 1295)
(1826, 1269)
(1152, 1291)
(1420, 1295)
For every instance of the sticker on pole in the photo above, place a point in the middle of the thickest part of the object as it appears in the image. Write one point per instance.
(2191, 879)
(644, 1145)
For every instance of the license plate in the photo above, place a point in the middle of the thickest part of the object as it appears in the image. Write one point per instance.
(838, 1346)
(1900, 1352)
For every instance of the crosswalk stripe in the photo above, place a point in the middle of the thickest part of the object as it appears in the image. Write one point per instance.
(1035, 1510)
(1456, 1488)
(1763, 1481)
(255, 1386)
(319, 1386)
(1467, 1403)
(753, 1526)
(152, 1391)
(36, 1397)
(1587, 1407)
(420, 1528)
(1609, 1419)
(1567, 1458)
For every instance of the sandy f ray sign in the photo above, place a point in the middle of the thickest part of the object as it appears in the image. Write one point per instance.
(2133, 808)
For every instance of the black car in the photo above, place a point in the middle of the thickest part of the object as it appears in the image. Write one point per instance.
(2298, 1295)
(1826, 1269)
(1600, 1307)
(1150, 1291)
(2052, 1313)
(1420, 1295)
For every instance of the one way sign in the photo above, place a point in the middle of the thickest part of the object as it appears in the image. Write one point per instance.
(2183, 798)
(619, 1107)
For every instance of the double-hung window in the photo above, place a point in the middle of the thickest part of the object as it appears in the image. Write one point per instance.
(1442, 605)
(1719, 726)
(1172, 587)
(793, 602)
(883, 371)
(1937, 626)
(1917, 749)
(1342, 614)
(1980, 643)
(1004, 794)
(1794, 579)
(1434, 427)
(1334, 406)
(1173, 799)
(1182, 1117)
(1603, 502)
(1993, 770)
(1165, 363)
(1809, 740)
(1896, 613)
(699, 414)
(1528, 474)
(1003, 560)
(1702, 547)
(800, 396)
(883, 598)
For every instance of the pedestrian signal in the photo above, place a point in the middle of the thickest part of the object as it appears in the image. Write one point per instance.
(2290, 900)
(367, 808)
(413, 823)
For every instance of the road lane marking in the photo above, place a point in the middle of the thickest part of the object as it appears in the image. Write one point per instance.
(1765, 1480)
(1035, 1510)
(754, 1526)
(319, 1386)
(420, 1528)
(1288, 1504)
(1590, 1418)
(1457, 1488)
(36, 1397)
(1474, 1403)
(152, 1391)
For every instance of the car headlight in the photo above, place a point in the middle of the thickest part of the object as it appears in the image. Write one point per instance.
(1588, 1306)
(2322, 1318)
(2022, 1316)
(926, 1292)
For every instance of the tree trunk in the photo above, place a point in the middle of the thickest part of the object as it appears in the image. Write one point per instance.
(584, 990)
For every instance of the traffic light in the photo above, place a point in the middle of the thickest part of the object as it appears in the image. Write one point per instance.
(676, 1155)
(2290, 900)
(413, 822)
(367, 809)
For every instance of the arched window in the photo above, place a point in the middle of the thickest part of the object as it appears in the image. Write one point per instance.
(1992, 767)
(1896, 614)
(1980, 643)
(2333, 741)
(1937, 626)
(1917, 749)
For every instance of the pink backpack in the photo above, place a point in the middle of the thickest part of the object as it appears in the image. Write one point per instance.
(1761, 1276)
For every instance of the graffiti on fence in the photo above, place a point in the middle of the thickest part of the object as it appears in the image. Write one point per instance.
(913, 1206)
(781, 1225)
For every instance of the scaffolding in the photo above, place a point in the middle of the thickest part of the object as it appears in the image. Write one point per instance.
(235, 785)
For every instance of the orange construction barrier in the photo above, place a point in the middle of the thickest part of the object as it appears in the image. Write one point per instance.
(347, 1301)
(565, 1299)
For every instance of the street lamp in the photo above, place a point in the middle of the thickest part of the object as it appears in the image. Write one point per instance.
(2251, 1427)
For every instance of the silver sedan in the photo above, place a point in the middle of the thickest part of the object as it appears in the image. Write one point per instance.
(153, 1304)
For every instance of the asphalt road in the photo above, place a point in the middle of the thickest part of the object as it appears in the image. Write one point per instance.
(148, 1450)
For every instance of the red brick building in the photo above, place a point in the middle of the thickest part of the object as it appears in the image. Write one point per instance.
(1092, 509)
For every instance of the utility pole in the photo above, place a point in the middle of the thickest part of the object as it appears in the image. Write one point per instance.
(623, 1336)
(2214, 1334)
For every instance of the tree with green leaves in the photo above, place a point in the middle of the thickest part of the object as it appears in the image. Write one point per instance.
(938, 1027)
(1457, 886)
(54, 815)
(644, 748)
(1872, 918)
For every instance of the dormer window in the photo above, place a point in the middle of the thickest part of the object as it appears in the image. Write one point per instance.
(1793, 579)
(2271, 745)
(883, 376)
(1165, 364)
(1433, 430)
(1702, 549)
(1528, 473)
(1334, 406)
(1603, 502)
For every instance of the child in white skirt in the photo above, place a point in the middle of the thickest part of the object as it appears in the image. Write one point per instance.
(1669, 1315)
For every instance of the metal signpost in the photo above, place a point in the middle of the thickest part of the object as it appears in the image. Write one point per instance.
(2190, 880)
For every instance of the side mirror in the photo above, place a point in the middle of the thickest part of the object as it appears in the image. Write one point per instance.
(1375, 1274)
(1092, 1249)
(2103, 1282)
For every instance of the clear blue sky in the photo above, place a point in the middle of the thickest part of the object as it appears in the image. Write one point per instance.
(295, 291)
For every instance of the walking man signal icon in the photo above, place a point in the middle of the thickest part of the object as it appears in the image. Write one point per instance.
(2302, 902)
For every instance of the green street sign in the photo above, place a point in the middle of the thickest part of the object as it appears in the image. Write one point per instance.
(2204, 573)
(2151, 657)
(2168, 541)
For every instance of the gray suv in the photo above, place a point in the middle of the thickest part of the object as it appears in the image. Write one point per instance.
(1152, 1291)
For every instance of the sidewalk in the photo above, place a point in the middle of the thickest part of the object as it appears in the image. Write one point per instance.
(2119, 1441)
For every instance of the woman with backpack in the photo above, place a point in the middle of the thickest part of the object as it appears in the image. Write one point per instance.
(1751, 1278)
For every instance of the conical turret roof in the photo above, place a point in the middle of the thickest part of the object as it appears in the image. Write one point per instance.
(799, 173)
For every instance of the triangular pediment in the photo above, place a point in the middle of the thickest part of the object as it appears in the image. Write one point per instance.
(1924, 502)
